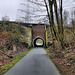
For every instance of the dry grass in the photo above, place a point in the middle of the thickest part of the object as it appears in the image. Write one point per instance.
(64, 59)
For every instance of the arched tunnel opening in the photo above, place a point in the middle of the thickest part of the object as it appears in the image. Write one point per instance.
(39, 42)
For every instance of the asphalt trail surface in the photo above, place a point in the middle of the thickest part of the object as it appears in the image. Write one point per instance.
(34, 63)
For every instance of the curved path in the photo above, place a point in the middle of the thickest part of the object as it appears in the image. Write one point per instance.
(35, 63)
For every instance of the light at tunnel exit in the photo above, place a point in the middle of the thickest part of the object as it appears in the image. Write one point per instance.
(39, 42)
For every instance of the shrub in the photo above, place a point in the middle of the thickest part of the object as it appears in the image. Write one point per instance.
(16, 39)
(21, 29)
(9, 28)
(25, 44)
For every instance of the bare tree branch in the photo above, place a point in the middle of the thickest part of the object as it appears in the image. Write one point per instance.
(36, 3)
(35, 9)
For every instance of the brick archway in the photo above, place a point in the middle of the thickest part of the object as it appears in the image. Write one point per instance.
(38, 31)
(36, 40)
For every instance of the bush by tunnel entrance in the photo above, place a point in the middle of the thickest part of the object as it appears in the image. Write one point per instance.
(39, 42)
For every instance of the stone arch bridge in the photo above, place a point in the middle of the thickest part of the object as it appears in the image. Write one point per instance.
(38, 32)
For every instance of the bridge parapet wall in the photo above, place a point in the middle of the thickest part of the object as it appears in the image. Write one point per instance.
(38, 31)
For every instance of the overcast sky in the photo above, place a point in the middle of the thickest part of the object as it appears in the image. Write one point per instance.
(10, 7)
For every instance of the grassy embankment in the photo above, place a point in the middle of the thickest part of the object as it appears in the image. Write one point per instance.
(17, 58)
(64, 59)
(14, 39)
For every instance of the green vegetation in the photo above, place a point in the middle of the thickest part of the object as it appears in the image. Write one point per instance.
(17, 33)
(47, 52)
(64, 59)
(14, 38)
(5, 68)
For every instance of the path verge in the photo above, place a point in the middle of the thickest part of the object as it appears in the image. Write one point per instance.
(17, 58)
(63, 60)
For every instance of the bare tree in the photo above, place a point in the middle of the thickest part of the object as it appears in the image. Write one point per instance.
(60, 18)
(56, 14)
(73, 20)
(65, 20)
(61, 24)
(32, 11)
(5, 18)
(47, 6)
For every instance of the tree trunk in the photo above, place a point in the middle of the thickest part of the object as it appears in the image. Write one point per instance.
(52, 20)
(49, 22)
(56, 14)
(62, 30)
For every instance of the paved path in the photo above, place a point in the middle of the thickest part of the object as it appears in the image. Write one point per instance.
(35, 63)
